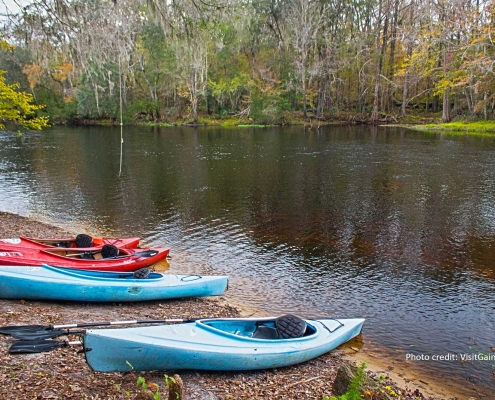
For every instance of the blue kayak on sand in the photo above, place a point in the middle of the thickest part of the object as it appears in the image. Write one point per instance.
(54, 283)
(228, 344)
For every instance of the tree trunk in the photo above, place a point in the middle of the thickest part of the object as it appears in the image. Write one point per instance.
(392, 55)
(434, 103)
(404, 94)
(303, 78)
(194, 98)
(374, 113)
(469, 102)
(97, 100)
(323, 82)
(321, 95)
(446, 105)
(485, 113)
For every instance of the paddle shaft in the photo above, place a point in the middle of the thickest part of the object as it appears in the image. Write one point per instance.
(31, 330)
(9, 330)
(93, 252)
(130, 322)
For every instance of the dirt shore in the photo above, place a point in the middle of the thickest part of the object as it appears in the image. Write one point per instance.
(63, 373)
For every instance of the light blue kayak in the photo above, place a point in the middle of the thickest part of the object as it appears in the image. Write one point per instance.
(54, 283)
(212, 344)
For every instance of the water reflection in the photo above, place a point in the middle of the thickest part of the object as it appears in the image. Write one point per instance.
(395, 226)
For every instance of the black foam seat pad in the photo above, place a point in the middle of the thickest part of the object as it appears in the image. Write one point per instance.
(109, 251)
(289, 326)
(142, 273)
(83, 240)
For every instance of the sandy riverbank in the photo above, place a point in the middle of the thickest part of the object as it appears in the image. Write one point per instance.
(63, 374)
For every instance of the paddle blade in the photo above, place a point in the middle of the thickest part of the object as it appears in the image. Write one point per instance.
(35, 346)
(40, 335)
(10, 330)
(147, 253)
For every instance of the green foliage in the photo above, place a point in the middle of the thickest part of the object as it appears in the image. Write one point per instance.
(140, 110)
(142, 382)
(5, 46)
(253, 126)
(11, 60)
(151, 124)
(119, 388)
(19, 107)
(153, 38)
(183, 58)
(229, 91)
(460, 127)
(55, 106)
(354, 391)
(267, 108)
(96, 96)
(168, 379)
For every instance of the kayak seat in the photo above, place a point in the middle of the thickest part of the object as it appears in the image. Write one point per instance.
(109, 251)
(286, 327)
(83, 240)
(265, 332)
(142, 273)
(289, 326)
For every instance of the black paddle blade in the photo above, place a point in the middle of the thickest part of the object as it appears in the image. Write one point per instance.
(147, 253)
(10, 330)
(40, 335)
(35, 346)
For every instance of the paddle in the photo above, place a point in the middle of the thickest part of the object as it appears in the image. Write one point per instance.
(287, 327)
(34, 332)
(147, 253)
(38, 346)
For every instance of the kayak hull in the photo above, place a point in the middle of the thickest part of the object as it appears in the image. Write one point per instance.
(203, 347)
(127, 260)
(53, 283)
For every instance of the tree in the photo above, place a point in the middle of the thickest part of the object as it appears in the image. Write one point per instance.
(18, 107)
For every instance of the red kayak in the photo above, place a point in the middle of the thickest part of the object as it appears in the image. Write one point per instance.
(106, 258)
(80, 241)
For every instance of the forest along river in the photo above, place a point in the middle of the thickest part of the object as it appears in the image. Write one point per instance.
(388, 224)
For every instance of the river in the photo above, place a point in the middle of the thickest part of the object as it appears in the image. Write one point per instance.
(389, 224)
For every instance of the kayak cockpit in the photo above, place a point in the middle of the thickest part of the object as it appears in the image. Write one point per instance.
(80, 240)
(263, 329)
(108, 251)
(142, 274)
(52, 242)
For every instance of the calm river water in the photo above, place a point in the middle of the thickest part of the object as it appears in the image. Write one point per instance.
(392, 225)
